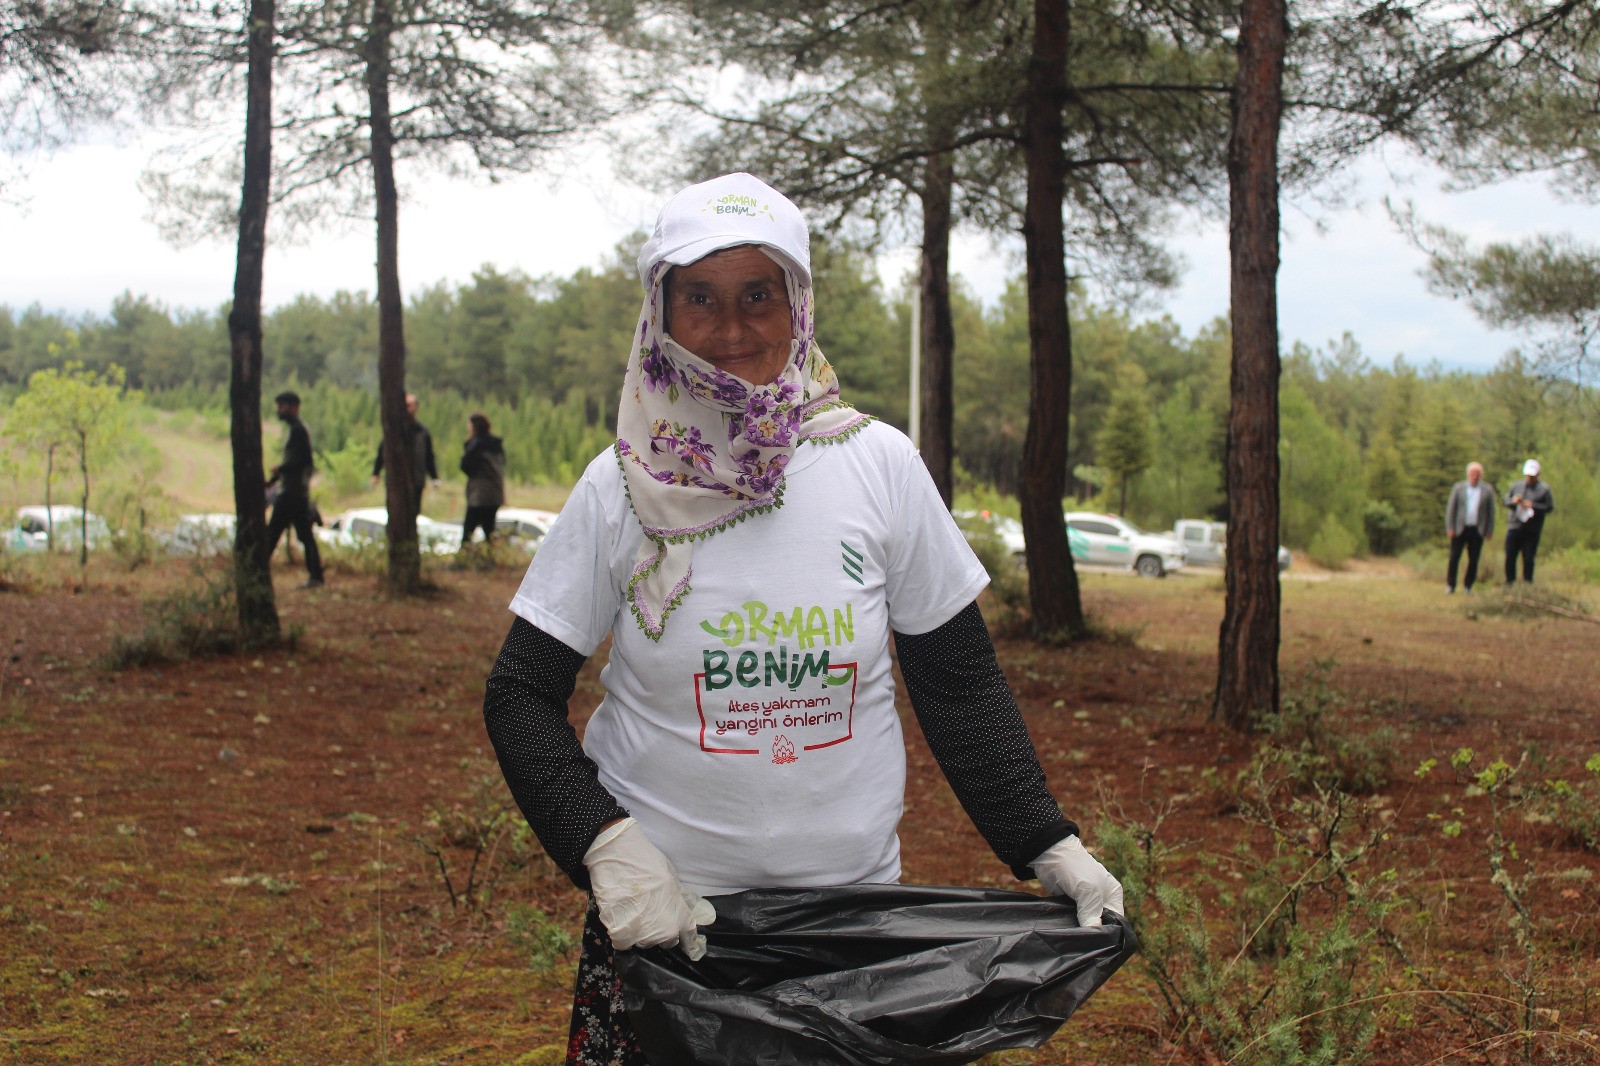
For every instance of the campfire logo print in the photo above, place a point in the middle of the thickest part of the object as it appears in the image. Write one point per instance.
(782, 751)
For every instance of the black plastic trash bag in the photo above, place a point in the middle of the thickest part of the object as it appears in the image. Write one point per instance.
(869, 974)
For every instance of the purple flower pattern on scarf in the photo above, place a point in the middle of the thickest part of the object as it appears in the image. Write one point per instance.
(718, 445)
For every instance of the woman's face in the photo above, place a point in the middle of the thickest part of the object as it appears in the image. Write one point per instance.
(732, 310)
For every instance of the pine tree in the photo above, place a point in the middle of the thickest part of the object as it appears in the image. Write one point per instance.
(1124, 446)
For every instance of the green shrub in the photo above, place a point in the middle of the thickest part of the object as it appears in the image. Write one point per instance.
(1333, 545)
(1250, 980)
(1324, 742)
(544, 941)
(198, 618)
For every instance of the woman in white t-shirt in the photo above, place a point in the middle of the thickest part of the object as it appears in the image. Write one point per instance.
(749, 544)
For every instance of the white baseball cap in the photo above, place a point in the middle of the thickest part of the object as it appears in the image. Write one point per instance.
(1531, 468)
(723, 213)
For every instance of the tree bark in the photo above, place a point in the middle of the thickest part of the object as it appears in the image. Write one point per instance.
(1052, 580)
(252, 563)
(49, 507)
(1247, 653)
(938, 327)
(405, 559)
(83, 510)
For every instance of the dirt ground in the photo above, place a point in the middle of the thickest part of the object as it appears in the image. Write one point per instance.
(302, 856)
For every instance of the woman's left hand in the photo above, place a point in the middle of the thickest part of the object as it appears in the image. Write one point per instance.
(1067, 869)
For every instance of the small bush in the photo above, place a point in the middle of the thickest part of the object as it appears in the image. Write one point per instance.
(1254, 990)
(1333, 545)
(18, 571)
(1318, 743)
(1384, 527)
(198, 618)
(543, 940)
(1572, 808)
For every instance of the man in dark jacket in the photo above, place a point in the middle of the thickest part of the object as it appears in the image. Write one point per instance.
(1529, 501)
(419, 450)
(292, 476)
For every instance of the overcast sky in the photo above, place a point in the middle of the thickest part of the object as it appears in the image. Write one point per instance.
(75, 233)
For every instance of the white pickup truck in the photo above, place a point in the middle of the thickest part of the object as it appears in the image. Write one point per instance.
(1206, 543)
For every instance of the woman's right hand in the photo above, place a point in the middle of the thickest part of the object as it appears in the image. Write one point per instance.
(641, 902)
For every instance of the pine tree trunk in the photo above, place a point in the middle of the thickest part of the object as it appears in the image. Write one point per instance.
(1247, 654)
(49, 506)
(1052, 581)
(938, 328)
(83, 508)
(405, 559)
(252, 564)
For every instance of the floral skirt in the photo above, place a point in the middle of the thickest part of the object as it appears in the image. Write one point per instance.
(601, 1035)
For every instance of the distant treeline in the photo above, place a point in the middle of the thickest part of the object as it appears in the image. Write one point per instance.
(1368, 452)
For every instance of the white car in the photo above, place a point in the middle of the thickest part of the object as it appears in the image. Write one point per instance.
(34, 526)
(1007, 530)
(368, 525)
(523, 525)
(208, 533)
(1207, 543)
(1109, 540)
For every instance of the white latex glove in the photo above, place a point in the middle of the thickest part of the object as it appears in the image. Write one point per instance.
(641, 903)
(1067, 869)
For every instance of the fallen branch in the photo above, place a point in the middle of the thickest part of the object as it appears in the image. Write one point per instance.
(1553, 609)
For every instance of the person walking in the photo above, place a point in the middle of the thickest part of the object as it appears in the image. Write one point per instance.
(1529, 500)
(1468, 521)
(291, 506)
(483, 460)
(419, 450)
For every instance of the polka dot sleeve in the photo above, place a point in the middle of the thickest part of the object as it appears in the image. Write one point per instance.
(976, 733)
(556, 785)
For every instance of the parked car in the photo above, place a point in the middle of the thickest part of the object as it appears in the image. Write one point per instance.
(523, 525)
(1207, 543)
(34, 522)
(368, 525)
(1005, 529)
(1109, 540)
(209, 533)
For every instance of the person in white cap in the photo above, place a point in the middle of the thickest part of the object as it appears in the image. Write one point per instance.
(749, 545)
(1468, 521)
(1529, 500)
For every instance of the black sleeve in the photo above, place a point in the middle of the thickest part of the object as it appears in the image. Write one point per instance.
(377, 463)
(556, 785)
(976, 732)
(469, 457)
(427, 444)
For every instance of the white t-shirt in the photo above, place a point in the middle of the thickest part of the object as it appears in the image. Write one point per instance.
(757, 742)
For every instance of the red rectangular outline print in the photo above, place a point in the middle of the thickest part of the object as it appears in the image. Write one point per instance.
(849, 726)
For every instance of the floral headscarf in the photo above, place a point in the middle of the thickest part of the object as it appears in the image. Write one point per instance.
(701, 449)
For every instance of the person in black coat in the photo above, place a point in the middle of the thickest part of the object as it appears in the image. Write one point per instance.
(419, 449)
(292, 505)
(1529, 500)
(483, 460)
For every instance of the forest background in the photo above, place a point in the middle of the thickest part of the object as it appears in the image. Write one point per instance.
(1368, 451)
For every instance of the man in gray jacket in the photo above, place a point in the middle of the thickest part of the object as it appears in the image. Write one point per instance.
(1469, 521)
(1529, 500)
